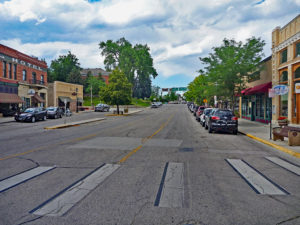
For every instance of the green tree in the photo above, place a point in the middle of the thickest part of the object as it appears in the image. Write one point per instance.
(136, 63)
(61, 68)
(229, 66)
(74, 76)
(94, 84)
(118, 91)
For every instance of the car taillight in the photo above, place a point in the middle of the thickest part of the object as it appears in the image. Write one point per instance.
(234, 118)
(215, 118)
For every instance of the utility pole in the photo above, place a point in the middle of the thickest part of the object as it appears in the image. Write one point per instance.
(91, 94)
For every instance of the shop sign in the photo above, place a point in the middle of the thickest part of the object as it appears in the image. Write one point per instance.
(297, 88)
(281, 89)
(31, 92)
(271, 93)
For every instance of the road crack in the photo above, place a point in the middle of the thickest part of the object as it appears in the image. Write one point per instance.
(288, 220)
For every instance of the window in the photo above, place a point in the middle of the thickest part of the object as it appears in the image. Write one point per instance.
(283, 56)
(24, 75)
(15, 71)
(297, 73)
(9, 71)
(4, 69)
(42, 79)
(33, 77)
(283, 77)
(284, 105)
(297, 49)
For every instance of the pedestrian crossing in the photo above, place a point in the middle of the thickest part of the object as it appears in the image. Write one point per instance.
(170, 192)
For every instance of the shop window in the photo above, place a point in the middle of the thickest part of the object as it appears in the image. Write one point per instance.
(15, 71)
(283, 77)
(297, 49)
(4, 68)
(42, 79)
(297, 73)
(284, 105)
(24, 73)
(33, 77)
(283, 56)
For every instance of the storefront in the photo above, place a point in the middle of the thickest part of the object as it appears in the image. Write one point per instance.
(256, 105)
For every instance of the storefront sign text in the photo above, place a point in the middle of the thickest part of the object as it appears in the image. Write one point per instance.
(281, 89)
(297, 88)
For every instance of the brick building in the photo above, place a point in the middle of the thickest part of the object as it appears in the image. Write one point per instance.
(23, 80)
(95, 72)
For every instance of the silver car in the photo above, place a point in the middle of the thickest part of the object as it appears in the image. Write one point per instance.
(102, 108)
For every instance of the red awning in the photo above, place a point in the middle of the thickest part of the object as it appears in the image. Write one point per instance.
(245, 91)
(10, 98)
(38, 98)
(262, 88)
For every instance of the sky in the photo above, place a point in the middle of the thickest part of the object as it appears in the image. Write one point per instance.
(178, 32)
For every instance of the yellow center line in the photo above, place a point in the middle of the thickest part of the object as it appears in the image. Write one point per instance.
(144, 140)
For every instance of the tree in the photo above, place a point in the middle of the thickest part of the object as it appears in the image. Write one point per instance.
(74, 76)
(94, 84)
(229, 66)
(136, 63)
(118, 91)
(61, 68)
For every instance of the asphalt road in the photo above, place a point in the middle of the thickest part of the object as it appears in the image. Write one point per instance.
(158, 166)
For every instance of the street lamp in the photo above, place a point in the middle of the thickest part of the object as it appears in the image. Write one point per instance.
(76, 94)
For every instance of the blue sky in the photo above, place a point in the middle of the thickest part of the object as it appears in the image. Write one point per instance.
(178, 32)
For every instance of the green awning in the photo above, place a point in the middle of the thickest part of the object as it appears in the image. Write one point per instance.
(62, 98)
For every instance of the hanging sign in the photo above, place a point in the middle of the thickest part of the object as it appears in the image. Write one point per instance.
(281, 89)
(271, 93)
(31, 92)
(297, 88)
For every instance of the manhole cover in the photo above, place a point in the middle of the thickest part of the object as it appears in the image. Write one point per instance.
(186, 149)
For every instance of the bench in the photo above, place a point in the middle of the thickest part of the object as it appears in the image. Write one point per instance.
(292, 133)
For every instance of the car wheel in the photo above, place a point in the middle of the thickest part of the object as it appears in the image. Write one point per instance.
(235, 132)
(206, 127)
(209, 129)
(33, 119)
(203, 124)
(55, 116)
(60, 116)
(45, 118)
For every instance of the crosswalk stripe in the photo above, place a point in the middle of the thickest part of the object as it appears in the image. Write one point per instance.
(15, 180)
(171, 191)
(287, 165)
(255, 179)
(66, 199)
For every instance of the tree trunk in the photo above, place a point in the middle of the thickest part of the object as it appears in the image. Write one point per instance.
(118, 109)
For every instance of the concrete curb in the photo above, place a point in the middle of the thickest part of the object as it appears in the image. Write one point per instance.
(73, 124)
(11, 121)
(280, 148)
(126, 114)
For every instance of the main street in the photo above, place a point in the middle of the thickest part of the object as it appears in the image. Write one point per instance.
(158, 166)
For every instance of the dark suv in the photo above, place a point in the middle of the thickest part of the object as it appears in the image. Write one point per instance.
(32, 115)
(54, 112)
(222, 120)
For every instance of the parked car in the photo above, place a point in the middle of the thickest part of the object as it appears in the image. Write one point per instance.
(222, 120)
(8, 112)
(54, 112)
(31, 115)
(154, 105)
(199, 112)
(195, 109)
(205, 113)
(102, 108)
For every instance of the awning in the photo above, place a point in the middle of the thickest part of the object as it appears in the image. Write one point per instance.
(38, 98)
(62, 98)
(10, 98)
(245, 91)
(80, 100)
(262, 88)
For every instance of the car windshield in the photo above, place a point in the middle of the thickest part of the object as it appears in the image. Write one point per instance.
(207, 111)
(30, 110)
(51, 109)
(223, 113)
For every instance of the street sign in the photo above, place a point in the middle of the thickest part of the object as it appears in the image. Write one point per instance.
(205, 100)
(174, 89)
(182, 89)
(281, 89)
(271, 93)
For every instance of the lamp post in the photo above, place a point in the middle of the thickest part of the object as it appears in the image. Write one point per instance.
(77, 100)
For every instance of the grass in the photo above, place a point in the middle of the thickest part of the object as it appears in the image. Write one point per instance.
(135, 101)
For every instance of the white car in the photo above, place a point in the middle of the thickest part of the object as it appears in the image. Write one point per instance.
(203, 115)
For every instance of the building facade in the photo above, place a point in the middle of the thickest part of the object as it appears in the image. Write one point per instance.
(27, 73)
(95, 72)
(62, 94)
(255, 104)
(286, 70)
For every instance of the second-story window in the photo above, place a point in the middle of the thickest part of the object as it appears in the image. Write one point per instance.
(33, 77)
(4, 68)
(24, 73)
(297, 49)
(42, 79)
(9, 71)
(15, 71)
(283, 77)
(283, 56)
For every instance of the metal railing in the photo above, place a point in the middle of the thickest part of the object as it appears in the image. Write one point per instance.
(34, 81)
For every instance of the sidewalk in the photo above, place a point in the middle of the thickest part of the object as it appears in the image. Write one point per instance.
(7, 119)
(261, 132)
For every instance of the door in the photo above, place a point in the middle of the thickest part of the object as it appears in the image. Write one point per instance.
(298, 108)
(253, 111)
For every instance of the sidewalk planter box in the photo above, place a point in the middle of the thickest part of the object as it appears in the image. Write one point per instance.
(125, 110)
(292, 133)
(294, 138)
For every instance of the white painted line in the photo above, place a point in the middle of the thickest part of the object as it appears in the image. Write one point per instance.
(285, 164)
(60, 204)
(22, 177)
(260, 183)
(173, 189)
